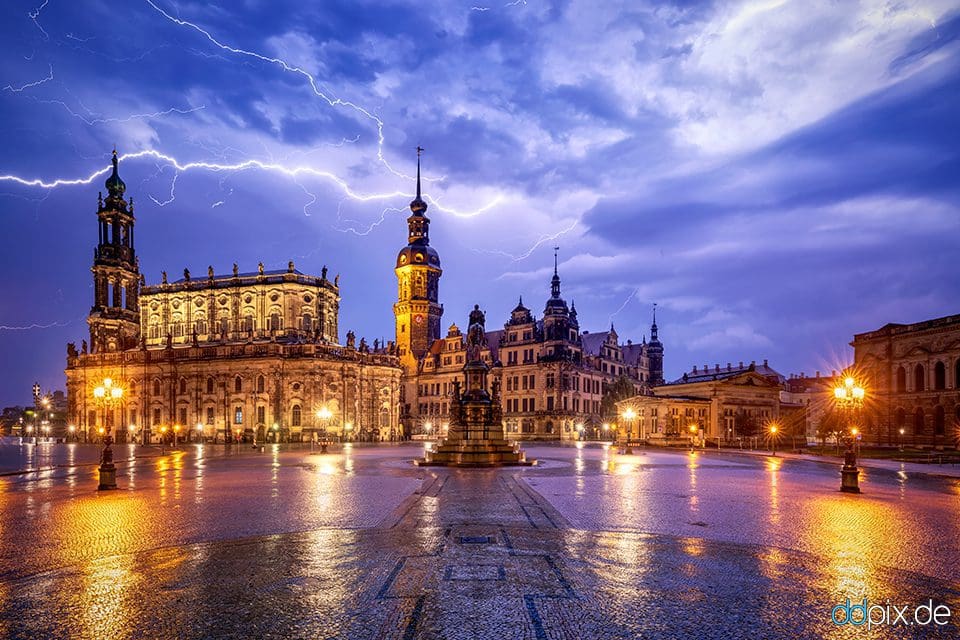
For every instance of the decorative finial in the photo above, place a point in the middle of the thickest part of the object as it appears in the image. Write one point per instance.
(556, 251)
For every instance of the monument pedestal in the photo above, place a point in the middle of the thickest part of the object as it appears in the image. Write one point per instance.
(475, 453)
(475, 437)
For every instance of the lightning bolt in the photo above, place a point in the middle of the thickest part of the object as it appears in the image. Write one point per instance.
(13, 89)
(289, 68)
(526, 254)
(173, 192)
(370, 227)
(625, 303)
(135, 116)
(30, 327)
(242, 166)
(33, 15)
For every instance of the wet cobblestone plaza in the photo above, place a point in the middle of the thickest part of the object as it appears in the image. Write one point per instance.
(359, 543)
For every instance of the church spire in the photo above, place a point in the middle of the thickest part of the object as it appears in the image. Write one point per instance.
(555, 281)
(418, 206)
(653, 327)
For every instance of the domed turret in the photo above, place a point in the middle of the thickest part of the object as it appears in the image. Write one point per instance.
(115, 186)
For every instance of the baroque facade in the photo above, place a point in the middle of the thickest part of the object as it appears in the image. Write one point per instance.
(243, 355)
(552, 376)
(911, 373)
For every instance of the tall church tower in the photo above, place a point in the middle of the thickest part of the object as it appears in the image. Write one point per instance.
(115, 316)
(417, 310)
(655, 353)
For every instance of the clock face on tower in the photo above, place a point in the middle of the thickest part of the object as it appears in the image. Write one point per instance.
(418, 319)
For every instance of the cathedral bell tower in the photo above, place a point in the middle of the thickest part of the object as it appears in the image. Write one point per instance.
(115, 316)
(417, 311)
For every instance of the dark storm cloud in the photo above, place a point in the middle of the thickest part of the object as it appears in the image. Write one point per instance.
(622, 133)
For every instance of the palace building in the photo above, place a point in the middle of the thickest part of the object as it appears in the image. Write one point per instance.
(911, 374)
(241, 355)
(552, 376)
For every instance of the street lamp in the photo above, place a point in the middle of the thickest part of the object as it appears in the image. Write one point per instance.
(849, 397)
(323, 415)
(347, 428)
(107, 395)
(901, 439)
(276, 432)
(693, 434)
(580, 430)
(71, 430)
(628, 415)
(773, 438)
(200, 432)
(176, 432)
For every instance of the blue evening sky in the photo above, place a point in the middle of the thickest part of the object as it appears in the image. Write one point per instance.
(775, 175)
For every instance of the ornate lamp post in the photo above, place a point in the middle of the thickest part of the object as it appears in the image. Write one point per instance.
(107, 395)
(849, 397)
(773, 438)
(323, 415)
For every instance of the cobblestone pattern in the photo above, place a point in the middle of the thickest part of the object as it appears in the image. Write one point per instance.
(463, 554)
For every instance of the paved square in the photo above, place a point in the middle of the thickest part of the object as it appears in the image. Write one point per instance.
(359, 543)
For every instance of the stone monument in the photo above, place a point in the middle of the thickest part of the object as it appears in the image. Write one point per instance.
(475, 437)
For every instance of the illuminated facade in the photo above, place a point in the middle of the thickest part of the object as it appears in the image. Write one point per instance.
(253, 355)
(721, 403)
(552, 375)
(911, 373)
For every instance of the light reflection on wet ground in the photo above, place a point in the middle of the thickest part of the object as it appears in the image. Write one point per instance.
(208, 542)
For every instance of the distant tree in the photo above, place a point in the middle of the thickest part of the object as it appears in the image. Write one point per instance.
(830, 426)
(621, 389)
(745, 424)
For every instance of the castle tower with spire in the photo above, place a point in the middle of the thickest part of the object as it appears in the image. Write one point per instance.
(655, 353)
(417, 310)
(114, 319)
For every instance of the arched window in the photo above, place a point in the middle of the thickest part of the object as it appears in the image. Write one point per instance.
(307, 323)
(210, 385)
(183, 385)
(901, 380)
(248, 324)
(260, 384)
(899, 418)
(238, 384)
(938, 421)
(939, 376)
(295, 416)
(156, 386)
(276, 322)
(918, 421)
(919, 378)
